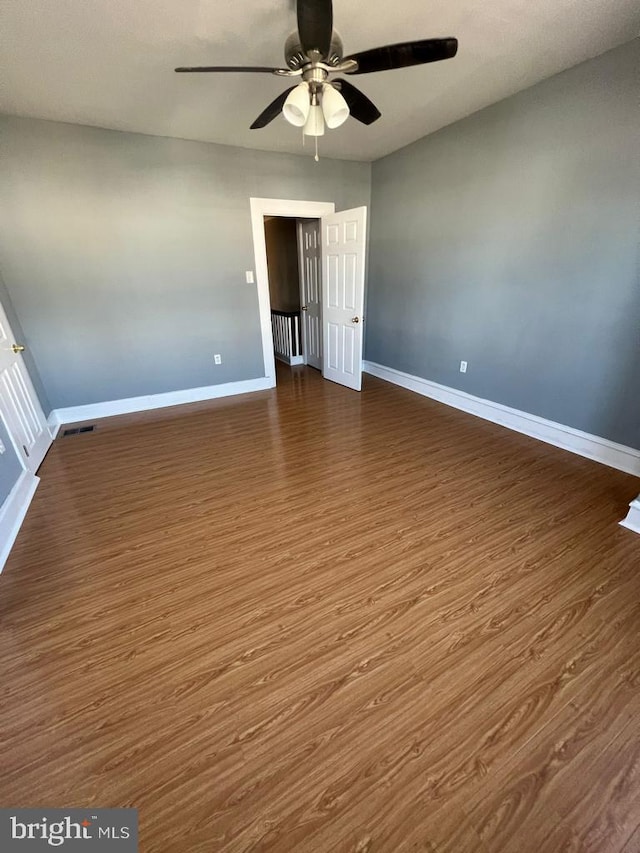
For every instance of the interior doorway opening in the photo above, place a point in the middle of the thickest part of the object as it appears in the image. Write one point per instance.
(295, 289)
(282, 208)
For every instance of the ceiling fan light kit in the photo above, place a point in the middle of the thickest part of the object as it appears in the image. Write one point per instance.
(314, 108)
(315, 53)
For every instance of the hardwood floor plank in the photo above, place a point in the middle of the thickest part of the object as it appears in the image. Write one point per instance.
(524, 795)
(437, 768)
(315, 620)
(633, 844)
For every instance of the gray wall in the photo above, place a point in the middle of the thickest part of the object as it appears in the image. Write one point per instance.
(124, 255)
(10, 465)
(281, 237)
(510, 240)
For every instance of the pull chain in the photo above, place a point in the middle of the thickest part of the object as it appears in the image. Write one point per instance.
(316, 158)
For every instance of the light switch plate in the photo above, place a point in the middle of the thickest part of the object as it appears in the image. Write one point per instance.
(249, 276)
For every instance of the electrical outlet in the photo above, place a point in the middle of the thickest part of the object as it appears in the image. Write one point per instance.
(2, 447)
(463, 367)
(249, 276)
(217, 358)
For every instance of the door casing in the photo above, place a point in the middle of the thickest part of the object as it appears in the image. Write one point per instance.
(261, 207)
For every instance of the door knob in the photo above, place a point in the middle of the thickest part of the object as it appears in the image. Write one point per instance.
(17, 348)
(305, 308)
(355, 319)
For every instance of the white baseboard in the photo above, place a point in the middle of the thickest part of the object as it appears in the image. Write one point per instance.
(290, 359)
(13, 511)
(594, 447)
(93, 411)
(632, 521)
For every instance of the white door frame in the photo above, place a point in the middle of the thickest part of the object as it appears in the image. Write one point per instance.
(261, 207)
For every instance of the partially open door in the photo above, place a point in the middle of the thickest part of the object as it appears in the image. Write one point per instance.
(26, 422)
(343, 259)
(310, 300)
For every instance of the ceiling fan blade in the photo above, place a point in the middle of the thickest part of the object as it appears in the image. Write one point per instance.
(272, 111)
(234, 69)
(360, 107)
(315, 25)
(403, 55)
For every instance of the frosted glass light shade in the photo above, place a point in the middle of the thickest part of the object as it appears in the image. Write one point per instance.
(296, 107)
(334, 107)
(315, 121)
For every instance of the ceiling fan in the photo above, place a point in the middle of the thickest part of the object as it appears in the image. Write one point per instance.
(314, 53)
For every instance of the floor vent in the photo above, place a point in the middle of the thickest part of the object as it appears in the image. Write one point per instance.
(78, 430)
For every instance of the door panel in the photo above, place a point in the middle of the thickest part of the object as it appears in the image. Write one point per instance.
(349, 348)
(343, 260)
(23, 413)
(333, 349)
(310, 295)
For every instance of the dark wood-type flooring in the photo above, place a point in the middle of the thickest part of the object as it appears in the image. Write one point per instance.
(313, 620)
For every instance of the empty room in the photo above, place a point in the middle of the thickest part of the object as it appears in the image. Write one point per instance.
(320, 426)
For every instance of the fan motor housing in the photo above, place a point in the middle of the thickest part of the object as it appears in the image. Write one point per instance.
(296, 58)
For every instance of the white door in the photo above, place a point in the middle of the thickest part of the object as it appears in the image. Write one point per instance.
(310, 295)
(23, 413)
(343, 257)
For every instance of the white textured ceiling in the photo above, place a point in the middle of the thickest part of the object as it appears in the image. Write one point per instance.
(110, 62)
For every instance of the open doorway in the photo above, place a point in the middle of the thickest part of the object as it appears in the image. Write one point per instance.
(295, 289)
(273, 207)
(337, 242)
(283, 266)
